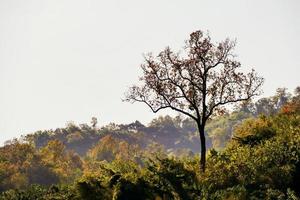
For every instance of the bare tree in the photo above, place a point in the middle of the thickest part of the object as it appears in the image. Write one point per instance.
(198, 83)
